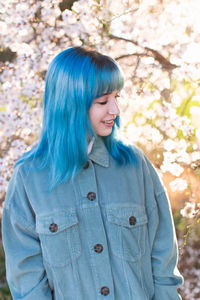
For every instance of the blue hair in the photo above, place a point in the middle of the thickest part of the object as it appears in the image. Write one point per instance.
(73, 80)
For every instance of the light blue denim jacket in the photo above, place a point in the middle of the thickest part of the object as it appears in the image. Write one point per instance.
(110, 235)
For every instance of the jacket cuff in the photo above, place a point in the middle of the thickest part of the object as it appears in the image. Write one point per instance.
(165, 292)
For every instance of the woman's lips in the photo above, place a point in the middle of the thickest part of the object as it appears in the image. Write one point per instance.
(108, 123)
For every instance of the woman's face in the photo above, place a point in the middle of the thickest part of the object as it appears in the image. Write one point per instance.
(103, 112)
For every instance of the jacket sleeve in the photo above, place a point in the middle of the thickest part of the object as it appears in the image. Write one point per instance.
(163, 242)
(25, 272)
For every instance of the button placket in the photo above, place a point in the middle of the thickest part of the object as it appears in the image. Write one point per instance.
(94, 223)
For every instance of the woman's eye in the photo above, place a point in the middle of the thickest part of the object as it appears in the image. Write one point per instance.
(103, 103)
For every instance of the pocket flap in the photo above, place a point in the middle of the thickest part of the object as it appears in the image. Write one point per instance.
(127, 216)
(61, 220)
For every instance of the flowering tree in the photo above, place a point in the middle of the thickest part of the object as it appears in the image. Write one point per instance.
(157, 45)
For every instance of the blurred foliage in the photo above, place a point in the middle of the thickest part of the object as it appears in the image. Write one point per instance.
(4, 289)
(66, 4)
(7, 55)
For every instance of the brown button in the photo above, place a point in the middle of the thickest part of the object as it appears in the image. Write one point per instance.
(98, 248)
(132, 220)
(105, 291)
(91, 196)
(86, 165)
(53, 227)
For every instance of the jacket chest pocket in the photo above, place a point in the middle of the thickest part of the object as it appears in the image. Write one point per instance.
(127, 231)
(59, 237)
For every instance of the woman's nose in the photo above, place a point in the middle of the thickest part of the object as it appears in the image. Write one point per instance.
(113, 108)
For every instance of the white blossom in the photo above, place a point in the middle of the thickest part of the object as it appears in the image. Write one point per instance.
(178, 184)
(189, 210)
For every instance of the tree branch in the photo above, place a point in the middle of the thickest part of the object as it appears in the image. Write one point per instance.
(165, 63)
(132, 54)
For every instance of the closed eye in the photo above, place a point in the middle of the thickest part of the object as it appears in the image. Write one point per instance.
(102, 103)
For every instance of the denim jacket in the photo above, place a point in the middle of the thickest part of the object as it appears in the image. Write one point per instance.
(109, 235)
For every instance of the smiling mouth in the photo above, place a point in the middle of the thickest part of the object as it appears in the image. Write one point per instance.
(109, 121)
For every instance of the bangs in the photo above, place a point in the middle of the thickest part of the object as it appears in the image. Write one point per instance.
(108, 78)
(97, 74)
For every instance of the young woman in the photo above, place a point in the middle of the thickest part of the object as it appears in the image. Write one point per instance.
(86, 217)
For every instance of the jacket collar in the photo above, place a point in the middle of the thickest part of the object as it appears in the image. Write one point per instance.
(99, 154)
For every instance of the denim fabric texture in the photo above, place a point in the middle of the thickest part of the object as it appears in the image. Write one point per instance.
(116, 243)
